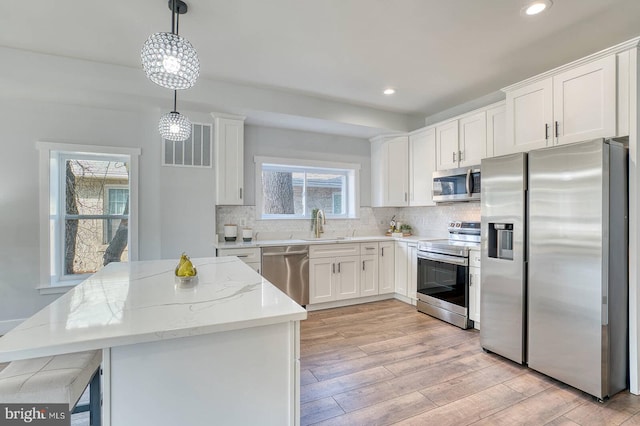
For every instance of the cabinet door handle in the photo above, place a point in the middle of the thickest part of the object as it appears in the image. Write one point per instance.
(454, 156)
(546, 131)
(333, 268)
(470, 280)
(382, 251)
(557, 132)
(241, 193)
(363, 265)
(405, 196)
(338, 267)
(460, 156)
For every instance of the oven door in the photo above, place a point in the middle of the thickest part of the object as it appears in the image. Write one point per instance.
(443, 281)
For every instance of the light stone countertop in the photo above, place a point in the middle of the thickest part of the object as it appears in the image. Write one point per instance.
(322, 240)
(135, 302)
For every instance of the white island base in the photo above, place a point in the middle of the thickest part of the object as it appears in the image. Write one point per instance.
(241, 377)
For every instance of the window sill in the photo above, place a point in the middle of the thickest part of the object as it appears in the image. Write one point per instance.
(58, 288)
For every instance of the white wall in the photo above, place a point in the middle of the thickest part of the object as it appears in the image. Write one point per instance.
(176, 206)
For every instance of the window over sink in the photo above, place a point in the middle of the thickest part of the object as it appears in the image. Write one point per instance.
(293, 188)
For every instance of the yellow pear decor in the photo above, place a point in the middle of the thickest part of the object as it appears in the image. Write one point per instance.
(185, 268)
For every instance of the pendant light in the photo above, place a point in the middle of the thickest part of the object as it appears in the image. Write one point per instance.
(168, 59)
(174, 126)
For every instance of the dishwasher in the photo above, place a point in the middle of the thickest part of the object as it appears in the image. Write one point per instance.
(287, 267)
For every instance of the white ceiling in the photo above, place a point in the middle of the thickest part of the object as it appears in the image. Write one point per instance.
(437, 54)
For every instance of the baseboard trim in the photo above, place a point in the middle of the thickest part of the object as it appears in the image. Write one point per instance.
(405, 299)
(348, 302)
(8, 325)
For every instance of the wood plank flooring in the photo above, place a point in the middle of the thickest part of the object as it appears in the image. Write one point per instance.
(385, 363)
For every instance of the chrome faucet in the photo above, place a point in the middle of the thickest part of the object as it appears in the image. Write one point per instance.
(320, 223)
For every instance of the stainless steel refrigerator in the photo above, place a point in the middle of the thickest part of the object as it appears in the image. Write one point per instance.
(554, 262)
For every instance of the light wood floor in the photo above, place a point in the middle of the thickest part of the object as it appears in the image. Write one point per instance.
(385, 363)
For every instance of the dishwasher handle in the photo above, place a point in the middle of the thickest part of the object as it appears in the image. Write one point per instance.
(285, 253)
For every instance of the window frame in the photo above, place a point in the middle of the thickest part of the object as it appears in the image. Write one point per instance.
(352, 184)
(50, 155)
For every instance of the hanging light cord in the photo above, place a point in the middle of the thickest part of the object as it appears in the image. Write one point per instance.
(175, 21)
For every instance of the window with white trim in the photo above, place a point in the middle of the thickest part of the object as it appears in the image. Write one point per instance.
(293, 189)
(89, 209)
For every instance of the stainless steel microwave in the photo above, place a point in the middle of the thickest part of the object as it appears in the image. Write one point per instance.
(461, 184)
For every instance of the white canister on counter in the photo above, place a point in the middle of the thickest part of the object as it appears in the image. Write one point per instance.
(247, 234)
(230, 232)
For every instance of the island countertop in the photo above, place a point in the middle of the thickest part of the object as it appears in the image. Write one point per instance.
(128, 303)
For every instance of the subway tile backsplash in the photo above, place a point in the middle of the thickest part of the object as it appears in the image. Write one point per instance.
(425, 221)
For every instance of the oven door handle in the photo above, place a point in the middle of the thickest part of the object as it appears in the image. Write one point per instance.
(463, 261)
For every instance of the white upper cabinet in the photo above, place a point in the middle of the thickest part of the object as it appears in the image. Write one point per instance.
(496, 128)
(379, 154)
(584, 102)
(389, 172)
(576, 104)
(472, 146)
(229, 158)
(397, 176)
(462, 142)
(447, 145)
(422, 164)
(529, 116)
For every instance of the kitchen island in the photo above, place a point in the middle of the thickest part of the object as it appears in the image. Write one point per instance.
(221, 350)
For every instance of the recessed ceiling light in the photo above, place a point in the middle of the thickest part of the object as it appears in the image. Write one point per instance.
(536, 7)
(389, 91)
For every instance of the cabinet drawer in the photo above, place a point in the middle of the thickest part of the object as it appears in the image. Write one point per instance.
(368, 248)
(247, 255)
(332, 250)
(474, 258)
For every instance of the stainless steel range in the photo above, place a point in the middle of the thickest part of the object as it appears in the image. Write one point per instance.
(443, 274)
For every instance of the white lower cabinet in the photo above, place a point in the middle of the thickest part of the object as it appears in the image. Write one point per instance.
(412, 273)
(402, 258)
(387, 267)
(406, 270)
(249, 255)
(321, 280)
(369, 271)
(332, 276)
(474, 287)
(348, 271)
(347, 277)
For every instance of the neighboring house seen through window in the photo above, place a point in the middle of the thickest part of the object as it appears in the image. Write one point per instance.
(289, 188)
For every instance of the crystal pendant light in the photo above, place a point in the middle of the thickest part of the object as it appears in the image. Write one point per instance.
(174, 126)
(168, 59)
